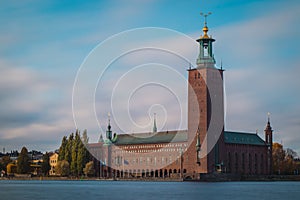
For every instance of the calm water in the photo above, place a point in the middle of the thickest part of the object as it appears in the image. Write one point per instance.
(84, 190)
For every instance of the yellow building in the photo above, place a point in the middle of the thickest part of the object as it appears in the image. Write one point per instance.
(53, 162)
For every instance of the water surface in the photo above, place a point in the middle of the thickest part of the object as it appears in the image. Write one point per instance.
(85, 190)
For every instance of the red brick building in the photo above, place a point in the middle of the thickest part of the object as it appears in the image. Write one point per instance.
(202, 149)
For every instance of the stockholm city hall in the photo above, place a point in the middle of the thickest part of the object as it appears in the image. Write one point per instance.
(204, 148)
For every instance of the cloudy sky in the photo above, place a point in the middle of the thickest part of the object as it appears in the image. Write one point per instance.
(44, 43)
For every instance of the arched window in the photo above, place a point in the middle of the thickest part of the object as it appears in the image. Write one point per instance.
(229, 162)
(243, 162)
(255, 164)
(250, 163)
(262, 163)
(236, 162)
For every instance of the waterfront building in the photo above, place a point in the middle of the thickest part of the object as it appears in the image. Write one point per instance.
(53, 159)
(204, 148)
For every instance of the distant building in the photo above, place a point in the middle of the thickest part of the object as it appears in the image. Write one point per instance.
(183, 153)
(53, 159)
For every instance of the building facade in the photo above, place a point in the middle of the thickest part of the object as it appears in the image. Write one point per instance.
(203, 148)
(53, 159)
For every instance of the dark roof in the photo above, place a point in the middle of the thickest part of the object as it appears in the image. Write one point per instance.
(243, 138)
(151, 138)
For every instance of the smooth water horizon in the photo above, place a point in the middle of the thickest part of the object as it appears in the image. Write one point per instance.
(78, 190)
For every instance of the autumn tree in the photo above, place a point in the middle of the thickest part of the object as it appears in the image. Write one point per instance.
(283, 160)
(63, 168)
(89, 169)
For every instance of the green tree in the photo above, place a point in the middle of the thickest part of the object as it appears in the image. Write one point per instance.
(80, 158)
(63, 148)
(74, 150)
(86, 153)
(63, 168)
(23, 162)
(89, 169)
(46, 164)
(68, 150)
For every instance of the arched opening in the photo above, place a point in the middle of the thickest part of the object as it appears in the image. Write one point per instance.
(160, 173)
(143, 173)
(156, 173)
(184, 171)
(165, 173)
(174, 171)
(152, 173)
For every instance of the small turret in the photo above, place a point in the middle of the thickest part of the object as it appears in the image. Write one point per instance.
(109, 132)
(154, 124)
(206, 57)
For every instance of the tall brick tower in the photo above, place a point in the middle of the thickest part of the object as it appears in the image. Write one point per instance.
(269, 141)
(206, 108)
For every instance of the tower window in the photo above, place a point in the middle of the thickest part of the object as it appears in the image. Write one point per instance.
(205, 51)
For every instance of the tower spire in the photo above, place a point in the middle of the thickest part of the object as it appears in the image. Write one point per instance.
(108, 132)
(206, 56)
(205, 28)
(269, 142)
(154, 124)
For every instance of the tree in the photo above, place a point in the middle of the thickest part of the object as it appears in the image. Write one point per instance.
(46, 164)
(63, 148)
(23, 162)
(283, 160)
(74, 150)
(68, 150)
(86, 153)
(89, 169)
(63, 168)
(4, 162)
(85, 138)
(80, 158)
(11, 168)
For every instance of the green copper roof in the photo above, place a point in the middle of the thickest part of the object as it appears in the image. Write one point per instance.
(150, 138)
(243, 138)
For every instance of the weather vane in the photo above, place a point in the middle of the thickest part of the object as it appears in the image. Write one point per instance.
(205, 15)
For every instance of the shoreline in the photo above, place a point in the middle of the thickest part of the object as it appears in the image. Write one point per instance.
(207, 178)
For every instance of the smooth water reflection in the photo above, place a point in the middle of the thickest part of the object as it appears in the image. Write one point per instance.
(84, 190)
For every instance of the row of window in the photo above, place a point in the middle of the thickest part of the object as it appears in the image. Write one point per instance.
(154, 146)
(119, 160)
(151, 150)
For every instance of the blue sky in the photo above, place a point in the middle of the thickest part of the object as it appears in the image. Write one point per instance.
(43, 44)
